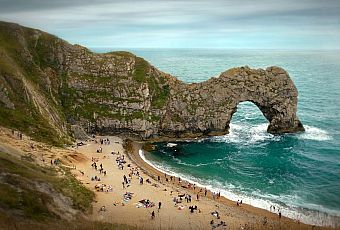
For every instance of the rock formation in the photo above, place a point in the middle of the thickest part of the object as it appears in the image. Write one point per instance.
(208, 107)
(58, 84)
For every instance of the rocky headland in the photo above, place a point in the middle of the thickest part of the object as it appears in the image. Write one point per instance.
(49, 87)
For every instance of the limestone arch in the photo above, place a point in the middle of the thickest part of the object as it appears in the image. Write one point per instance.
(206, 108)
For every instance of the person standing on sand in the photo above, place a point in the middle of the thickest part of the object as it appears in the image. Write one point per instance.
(153, 215)
(205, 191)
(159, 205)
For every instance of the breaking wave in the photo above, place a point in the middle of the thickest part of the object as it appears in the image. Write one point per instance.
(247, 134)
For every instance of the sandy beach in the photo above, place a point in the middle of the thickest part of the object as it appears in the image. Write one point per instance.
(110, 205)
(169, 216)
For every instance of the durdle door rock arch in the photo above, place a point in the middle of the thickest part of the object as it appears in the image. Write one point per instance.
(48, 84)
(206, 108)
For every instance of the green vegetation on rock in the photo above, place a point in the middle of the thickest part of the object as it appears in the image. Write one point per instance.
(47, 84)
(30, 189)
(31, 123)
(141, 69)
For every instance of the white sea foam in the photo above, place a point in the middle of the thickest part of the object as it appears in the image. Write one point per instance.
(170, 145)
(288, 205)
(314, 133)
(246, 134)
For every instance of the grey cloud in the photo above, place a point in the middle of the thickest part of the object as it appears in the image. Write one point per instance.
(184, 20)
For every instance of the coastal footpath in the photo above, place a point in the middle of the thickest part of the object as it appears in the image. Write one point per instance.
(55, 92)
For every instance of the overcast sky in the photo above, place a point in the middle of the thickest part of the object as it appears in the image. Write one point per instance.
(254, 24)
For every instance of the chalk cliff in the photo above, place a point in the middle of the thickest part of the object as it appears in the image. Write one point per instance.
(47, 85)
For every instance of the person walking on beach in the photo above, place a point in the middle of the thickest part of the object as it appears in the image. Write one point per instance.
(205, 191)
(280, 214)
(159, 205)
(153, 215)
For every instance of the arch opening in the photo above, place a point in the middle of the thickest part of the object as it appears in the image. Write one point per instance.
(248, 111)
(248, 124)
(276, 122)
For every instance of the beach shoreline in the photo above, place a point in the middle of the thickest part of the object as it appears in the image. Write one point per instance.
(118, 210)
(153, 172)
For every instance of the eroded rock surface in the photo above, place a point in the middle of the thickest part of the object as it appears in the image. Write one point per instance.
(208, 107)
(119, 93)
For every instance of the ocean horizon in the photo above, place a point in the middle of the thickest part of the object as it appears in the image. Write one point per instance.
(297, 173)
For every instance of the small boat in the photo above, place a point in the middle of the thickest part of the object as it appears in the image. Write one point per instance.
(171, 145)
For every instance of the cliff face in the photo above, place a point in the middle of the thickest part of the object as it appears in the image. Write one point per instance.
(53, 84)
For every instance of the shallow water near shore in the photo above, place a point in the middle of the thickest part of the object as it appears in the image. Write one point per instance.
(298, 173)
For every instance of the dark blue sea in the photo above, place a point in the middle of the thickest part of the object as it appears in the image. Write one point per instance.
(297, 173)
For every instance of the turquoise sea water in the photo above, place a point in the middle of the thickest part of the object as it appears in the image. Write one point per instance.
(298, 173)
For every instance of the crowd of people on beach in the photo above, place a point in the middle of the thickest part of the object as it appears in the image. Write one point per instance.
(188, 200)
(180, 200)
(134, 172)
